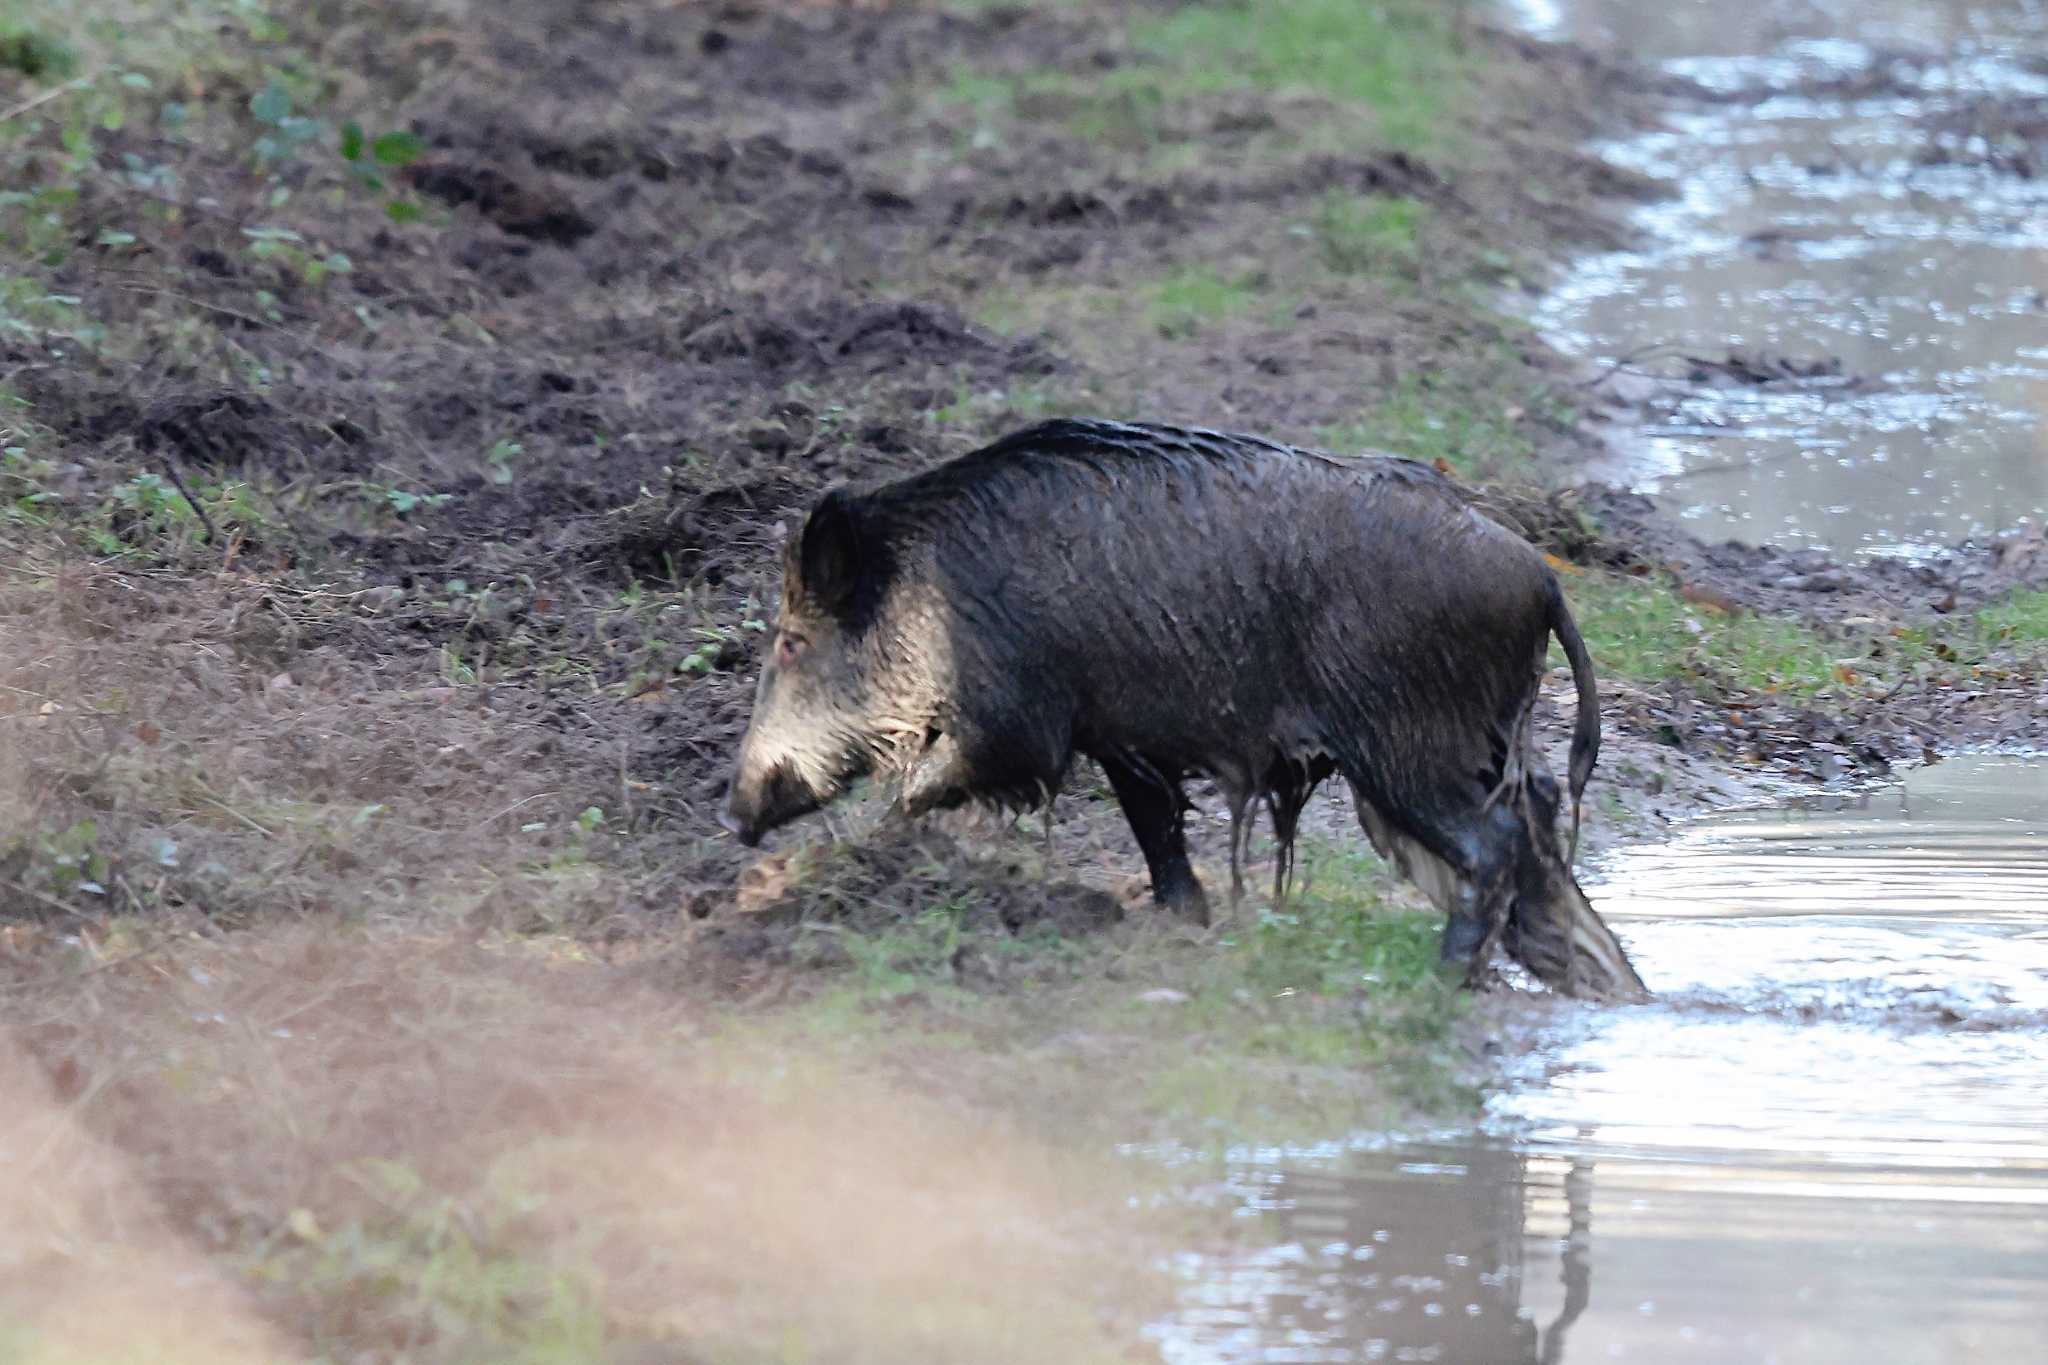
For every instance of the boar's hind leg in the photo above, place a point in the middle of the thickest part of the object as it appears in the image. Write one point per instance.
(1552, 929)
(1151, 799)
(1465, 864)
(1239, 800)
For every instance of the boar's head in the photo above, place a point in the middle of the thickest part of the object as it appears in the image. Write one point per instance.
(813, 730)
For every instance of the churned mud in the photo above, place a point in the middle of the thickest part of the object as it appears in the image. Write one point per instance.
(392, 522)
(522, 456)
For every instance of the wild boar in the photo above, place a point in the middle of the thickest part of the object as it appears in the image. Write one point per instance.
(1171, 602)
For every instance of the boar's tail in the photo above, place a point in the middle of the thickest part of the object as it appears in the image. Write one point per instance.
(1586, 733)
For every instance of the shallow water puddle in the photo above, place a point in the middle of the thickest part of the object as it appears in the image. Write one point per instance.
(1826, 1142)
(1829, 216)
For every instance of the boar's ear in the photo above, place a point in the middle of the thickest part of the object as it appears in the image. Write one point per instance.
(828, 555)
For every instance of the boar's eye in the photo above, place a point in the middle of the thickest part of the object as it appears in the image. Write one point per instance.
(789, 648)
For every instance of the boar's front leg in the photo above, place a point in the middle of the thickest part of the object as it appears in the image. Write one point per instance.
(1152, 803)
(939, 780)
(959, 767)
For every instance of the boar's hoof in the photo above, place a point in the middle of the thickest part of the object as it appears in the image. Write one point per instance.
(1463, 935)
(1185, 897)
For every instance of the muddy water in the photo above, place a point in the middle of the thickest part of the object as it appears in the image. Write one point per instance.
(1824, 218)
(1826, 1142)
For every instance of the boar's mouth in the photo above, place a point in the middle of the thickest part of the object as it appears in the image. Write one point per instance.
(752, 809)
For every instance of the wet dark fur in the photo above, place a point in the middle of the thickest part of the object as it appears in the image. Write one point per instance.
(1171, 602)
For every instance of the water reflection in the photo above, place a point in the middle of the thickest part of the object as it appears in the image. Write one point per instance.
(1826, 1142)
(1480, 1253)
(1415, 1256)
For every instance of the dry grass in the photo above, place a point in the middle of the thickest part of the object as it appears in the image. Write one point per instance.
(415, 1149)
(212, 745)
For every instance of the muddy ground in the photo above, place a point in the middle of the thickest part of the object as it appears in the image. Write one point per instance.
(390, 538)
(546, 438)
(529, 457)
(468, 482)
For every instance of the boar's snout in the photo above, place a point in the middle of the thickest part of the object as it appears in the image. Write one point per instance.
(755, 804)
(741, 816)
(738, 828)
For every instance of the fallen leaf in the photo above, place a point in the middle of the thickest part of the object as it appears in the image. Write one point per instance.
(763, 884)
(1561, 565)
(148, 733)
(1709, 598)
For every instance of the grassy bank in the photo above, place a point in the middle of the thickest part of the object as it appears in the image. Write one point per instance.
(1653, 632)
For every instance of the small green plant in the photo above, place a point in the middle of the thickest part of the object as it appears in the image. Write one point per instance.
(1337, 948)
(152, 507)
(712, 642)
(370, 158)
(25, 492)
(1475, 421)
(892, 963)
(34, 54)
(501, 457)
(404, 503)
(285, 133)
(31, 310)
(71, 861)
(454, 670)
(289, 249)
(1643, 630)
(1398, 59)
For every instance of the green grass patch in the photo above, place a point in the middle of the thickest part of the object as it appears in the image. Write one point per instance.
(1301, 1022)
(1194, 296)
(1370, 234)
(1645, 631)
(1481, 420)
(2022, 617)
(1398, 59)
(429, 1267)
(1389, 76)
(1179, 304)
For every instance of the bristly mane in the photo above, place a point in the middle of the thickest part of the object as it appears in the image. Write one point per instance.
(1114, 452)
(1096, 441)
